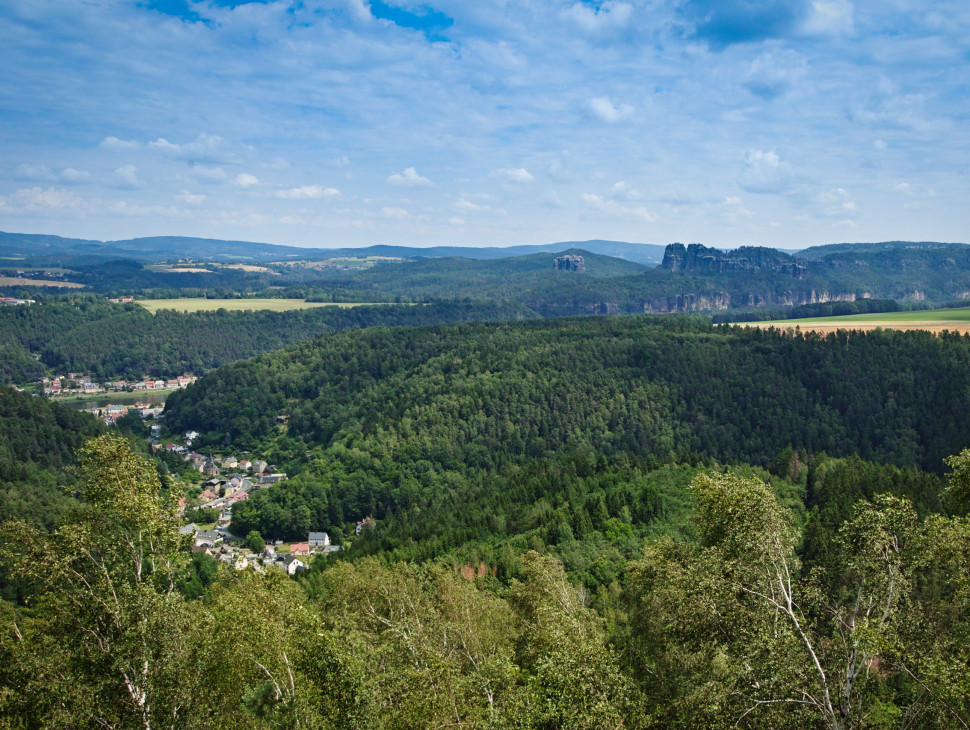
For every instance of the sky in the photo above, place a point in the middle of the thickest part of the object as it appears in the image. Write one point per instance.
(783, 123)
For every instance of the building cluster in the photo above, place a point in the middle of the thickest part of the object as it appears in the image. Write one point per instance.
(81, 383)
(13, 302)
(229, 549)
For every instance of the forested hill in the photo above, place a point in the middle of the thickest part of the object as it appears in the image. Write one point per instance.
(89, 335)
(38, 443)
(485, 395)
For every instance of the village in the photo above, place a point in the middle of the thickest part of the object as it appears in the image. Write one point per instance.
(84, 384)
(228, 481)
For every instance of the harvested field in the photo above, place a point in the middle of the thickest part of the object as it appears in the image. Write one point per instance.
(17, 281)
(929, 320)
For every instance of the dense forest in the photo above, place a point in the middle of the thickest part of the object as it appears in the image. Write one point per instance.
(578, 438)
(37, 446)
(88, 335)
(637, 522)
(730, 621)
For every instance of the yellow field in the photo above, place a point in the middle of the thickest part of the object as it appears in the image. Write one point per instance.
(236, 305)
(17, 281)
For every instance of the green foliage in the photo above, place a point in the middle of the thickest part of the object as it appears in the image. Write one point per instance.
(86, 334)
(36, 451)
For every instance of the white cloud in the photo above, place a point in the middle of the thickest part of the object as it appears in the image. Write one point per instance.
(622, 191)
(69, 174)
(597, 202)
(34, 172)
(773, 73)
(607, 18)
(512, 175)
(307, 192)
(764, 172)
(42, 173)
(456, 221)
(835, 203)
(830, 17)
(205, 148)
(113, 143)
(128, 175)
(409, 179)
(40, 200)
(606, 111)
(466, 206)
(245, 180)
(191, 198)
(208, 174)
(388, 212)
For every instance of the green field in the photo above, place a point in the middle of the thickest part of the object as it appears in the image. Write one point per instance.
(210, 305)
(924, 316)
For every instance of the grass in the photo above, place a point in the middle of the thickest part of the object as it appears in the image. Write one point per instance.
(17, 281)
(929, 320)
(237, 305)
(922, 316)
(122, 397)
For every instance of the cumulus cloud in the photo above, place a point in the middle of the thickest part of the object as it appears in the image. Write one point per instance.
(191, 198)
(205, 148)
(830, 17)
(622, 191)
(42, 173)
(606, 111)
(835, 203)
(611, 207)
(512, 175)
(128, 175)
(113, 143)
(764, 172)
(307, 192)
(208, 174)
(609, 17)
(772, 74)
(409, 179)
(245, 180)
(40, 200)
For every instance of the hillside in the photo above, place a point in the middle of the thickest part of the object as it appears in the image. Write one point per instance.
(467, 398)
(41, 250)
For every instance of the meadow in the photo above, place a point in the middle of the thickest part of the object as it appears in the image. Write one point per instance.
(931, 320)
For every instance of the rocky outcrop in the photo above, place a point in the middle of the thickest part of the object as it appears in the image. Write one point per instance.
(570, 262)
(723, 300)
(703, 260)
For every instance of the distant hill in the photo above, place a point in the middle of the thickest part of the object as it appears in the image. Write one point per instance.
(41, 250)
(817, 252)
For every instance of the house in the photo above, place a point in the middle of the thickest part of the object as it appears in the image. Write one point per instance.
(207, 538)
(318, 540)
(230, 462)
(259, 466)
(292, 564)
(270, 479)
(209, 468)
(367, 523)
(300, 548)
(245, 465)
(188, 529)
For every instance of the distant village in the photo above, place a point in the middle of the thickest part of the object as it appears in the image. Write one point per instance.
(227, 480)
(230, 481)
(84, 384)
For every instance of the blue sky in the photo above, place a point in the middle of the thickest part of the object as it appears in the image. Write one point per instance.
(347, 122)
